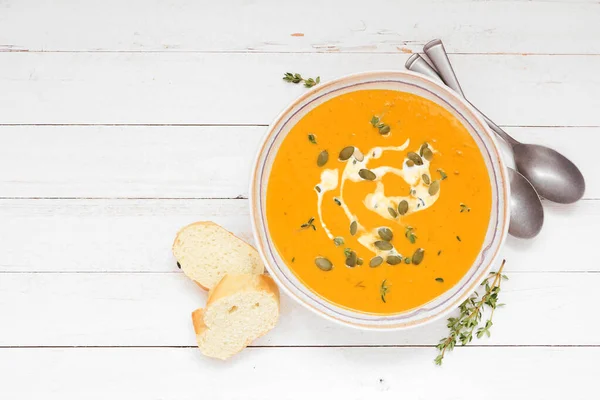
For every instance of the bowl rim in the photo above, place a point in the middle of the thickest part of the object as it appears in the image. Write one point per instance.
(480, 127)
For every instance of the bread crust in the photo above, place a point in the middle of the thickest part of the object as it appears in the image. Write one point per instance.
(230, 284)
(239, 283)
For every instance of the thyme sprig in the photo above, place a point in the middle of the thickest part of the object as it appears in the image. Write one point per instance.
(383, 290)
(297, 78)
(309, 224)
(471, 310)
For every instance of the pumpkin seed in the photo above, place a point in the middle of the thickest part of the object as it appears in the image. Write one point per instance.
(353, 228)
(346, 153)
(367, 175)
(392, 212)
(410, 163)
(384, 130)
(351, 260)
(338, 241)
(375, 262)
(394, 259)
(359, 261)
(440, 280)
(383, 245)
(312, 138)
(358, 155)
(414, 157)
(423, 146)
(403, 207)
(434, 188)
(418, 256)
(322, 158)
(323, 264)
(386, 234)
(427, 154)
(426, 179)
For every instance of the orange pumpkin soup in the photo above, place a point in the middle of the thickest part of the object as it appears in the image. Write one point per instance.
(378, 200)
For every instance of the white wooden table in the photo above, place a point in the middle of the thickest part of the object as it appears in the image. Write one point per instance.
(121, 121)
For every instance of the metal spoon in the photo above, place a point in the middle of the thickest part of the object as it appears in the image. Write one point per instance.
(526, 211)
(553, 175)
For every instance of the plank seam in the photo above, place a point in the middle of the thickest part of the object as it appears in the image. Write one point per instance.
(356, 346)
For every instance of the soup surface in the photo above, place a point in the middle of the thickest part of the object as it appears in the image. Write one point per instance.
(378, 200)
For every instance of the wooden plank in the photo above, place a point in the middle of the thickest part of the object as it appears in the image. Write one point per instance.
(136, 235)
(154, 310)
(176, 88)
(297, 373)
(181, 161)
(379, 26)
(141, 161)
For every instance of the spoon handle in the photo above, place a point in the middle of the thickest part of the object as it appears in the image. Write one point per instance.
(418, 64)
(437, 54)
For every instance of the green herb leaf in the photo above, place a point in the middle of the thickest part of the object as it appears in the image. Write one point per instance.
(410, 235)
(312, 138)
(338, 241)
(297, 78)
(309, 224)
(463, 327)
(383, 290)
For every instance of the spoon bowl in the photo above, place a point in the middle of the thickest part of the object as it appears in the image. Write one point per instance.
(526, 211)
(554, 176)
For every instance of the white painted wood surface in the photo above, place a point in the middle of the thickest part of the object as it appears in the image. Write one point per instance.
(154, 309)
(300, 373)
(121, 121)
(236, 88)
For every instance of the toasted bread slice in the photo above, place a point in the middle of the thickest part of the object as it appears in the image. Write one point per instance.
(206, 252)
(241, 308)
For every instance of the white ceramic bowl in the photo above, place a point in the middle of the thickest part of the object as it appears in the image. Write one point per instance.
(404, 82)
